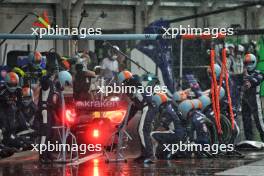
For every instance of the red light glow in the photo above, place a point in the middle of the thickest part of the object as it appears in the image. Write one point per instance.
(96, 133)
(95, 161)
(95, 171)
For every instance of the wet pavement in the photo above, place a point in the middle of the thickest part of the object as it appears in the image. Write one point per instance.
(27, 164)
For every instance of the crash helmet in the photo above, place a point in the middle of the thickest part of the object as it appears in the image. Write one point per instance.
(124, 75)
(159, 98)
(65, 78)
(12, 81)
(179, 96)
(185, 107)
(222, 93)
(27, 96)
(65, 63)
(230, 47)
(3, 73)
(197, 104)
(205, 100)
(4, 70)
(35, 57)
(113, 52)
(250, 62)
(217, 69)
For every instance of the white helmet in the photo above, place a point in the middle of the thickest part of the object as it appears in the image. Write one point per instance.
(228, 47)
(250, 62)
(65, 78)
(116, 47)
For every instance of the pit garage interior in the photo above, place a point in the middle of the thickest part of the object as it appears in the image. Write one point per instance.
(175, 58)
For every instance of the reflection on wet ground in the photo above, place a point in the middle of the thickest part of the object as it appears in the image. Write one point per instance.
(98, 167)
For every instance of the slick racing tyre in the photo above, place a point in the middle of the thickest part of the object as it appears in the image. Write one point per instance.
(227, 134)
(212, 131)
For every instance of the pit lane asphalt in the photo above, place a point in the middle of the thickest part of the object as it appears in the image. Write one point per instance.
(26, 164)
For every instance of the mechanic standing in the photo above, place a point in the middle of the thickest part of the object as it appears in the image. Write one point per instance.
(251, 104)
(50, 107)
(175, 131)
(48, 101)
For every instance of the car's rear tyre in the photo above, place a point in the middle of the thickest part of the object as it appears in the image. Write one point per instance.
(227, 131)
(212, 131)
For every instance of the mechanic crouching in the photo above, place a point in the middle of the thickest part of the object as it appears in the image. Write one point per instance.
(169, 119)
(197, 130)
(10, 98)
